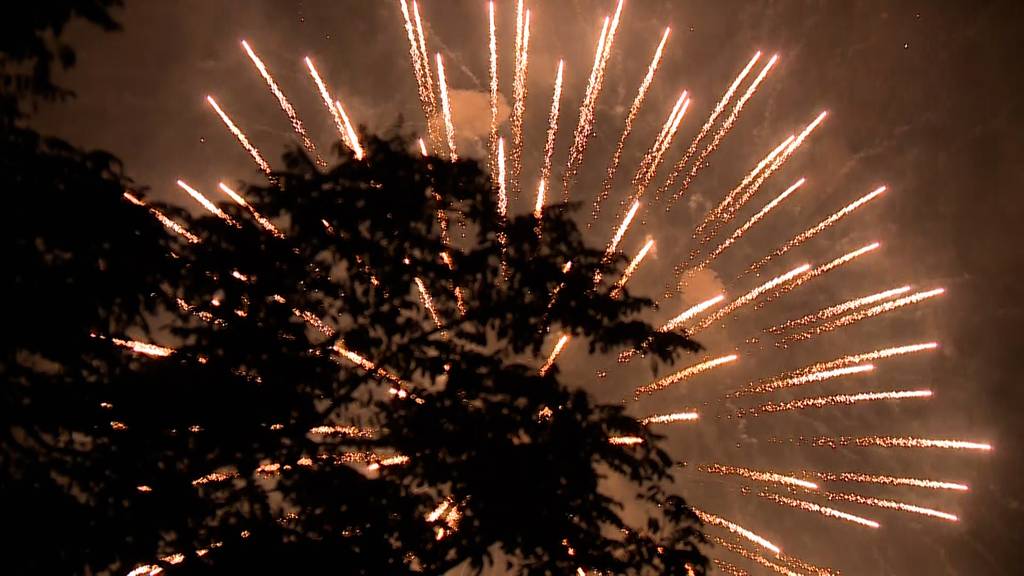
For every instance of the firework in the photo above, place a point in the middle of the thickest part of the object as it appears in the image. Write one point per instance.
(146, 349)
(736, 529)
(834, 400)
(863, 314)
(690, 313)
(823, 510)
(899, 442)
(890, 505)
(263, 221)
(559, 346)
(651, 160)
(519, 91)
(729, 568)
(286, 106)
(549, 143)
(749, 297)
(337, 112)
(753, 557)
(446, 109)
(859, 478)
(163, 219)
(815, 376)
(841, 362)
(820, 270)
(631, 268)
(634, 111)
(428, 303)
(353, 138)
(396, 460)
(492, 45)
(421, 71)
(814, 231)
(205, 202)
(423, 147)
(670, 418)
(366, 364)
(665, 382)
(832, 311)
(625, 440)
(241, 137)
(757, 476)
(613, 244)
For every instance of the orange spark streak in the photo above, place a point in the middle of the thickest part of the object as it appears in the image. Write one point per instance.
(549, 143)
(343, 130)
(658, 152)
(446, 109)
(614, 243)
(151, 350)
(665, 382)
(890, 505)
(757, 475)
(735, 529)
(421, 71)
(749, 297)
(353, 138)
(634, 111)
(689, 313)
(864, 314)
(286, 106)
(820, 270)
(562, 341)
(823, 510)
(492, 140)
(241, 137)
(831, 311)
(365, 364)
(753, 557)
(724, 129)
(670, 418)
(719, 108)
(428, 303)
(728, 568)
(396, 460)
(263, 221)
(816, 376)
(859, 478)
(644, 170)
(205, 202)
(834, 400)
(812, 232)
(423, 148)
(625, 440)
(898, 442)
(631, 268)
(163, 219)
(519, 91)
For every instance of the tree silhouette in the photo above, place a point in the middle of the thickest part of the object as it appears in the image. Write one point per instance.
(312, 413)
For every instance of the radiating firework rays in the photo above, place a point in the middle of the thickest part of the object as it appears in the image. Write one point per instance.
(613, 244)
(549, 142)
(823, 510)
(286, 106)
(816, 376)
(752, 556)
(492, 45)
(863, 314)
(749, 297)
(341, 122)
(428, 304)
(757, 475)
(206, 203)
(861, 478)
(651, 161)
(263, 221)
(832, 311)
(819, 271)
(634, 111)
(890, 505)
(559, 346)
(833, 400)
(421, 70)
(665, 382)
(671, 418)
(241, 137)
(519, 91)
(896, 442)
(446, 109)
(631, 268)
(163, 219)
(736, 529)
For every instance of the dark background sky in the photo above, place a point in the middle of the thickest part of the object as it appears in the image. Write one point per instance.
(924, 96)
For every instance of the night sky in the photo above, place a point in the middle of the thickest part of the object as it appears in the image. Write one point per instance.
(923, 97)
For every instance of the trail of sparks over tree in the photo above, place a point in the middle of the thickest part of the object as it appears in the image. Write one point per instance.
(819, 271)
(519, 91)
(727, 125)
(344, 129)
(823, 510)
(812, 232)
(428, 303)
(559, 346)
(144, 348)
(652, 158)
(163, 219)
(263, 221)
(898, 442)
(631, 268)
(492, 45)
(666, 381)
(749, 297)
(834, 400)
(891, 505)
(736, 529)
(860, 478)
(206, 203)
(613, 245)
(421, 71)
(446, 109)
(832, 311)
(585, 127)
(625, 440)
(676, 323)
(816, 376)
(241, 137)
(549, 143)
(502, 203)
(353, 138)
(671, 418)
(634, 111)
(286, 106)
(718, 109)
(757, 475)
(864, 314)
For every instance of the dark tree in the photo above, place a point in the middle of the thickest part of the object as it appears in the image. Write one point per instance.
(261, 442)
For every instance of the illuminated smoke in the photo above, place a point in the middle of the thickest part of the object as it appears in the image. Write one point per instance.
(286, 106)
(634, 111)
(864, 314)
(757, 476)
(446, 109)
(834, 400)
(832, 311)
(665, 382)
(553, 357)
(241, 137)
(823, 510)
(736, 529)
(205, 202)
(264, 222)
(163, 219)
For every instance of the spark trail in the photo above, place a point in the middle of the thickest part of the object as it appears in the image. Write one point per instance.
(286, 106)
(832, 311)
(816, 376)
(651, 159)
(823, 510)
(559, 346)
(353, 138)
(205, 202)
(613, 244)
(749, 297)
(446, 109)
(675, 323)
(898, 442)
(428, 303)
(343, 126)
(753, 557)
(665, 382)
(834, 400)
(421, 71)
(631, 268)
(890, 505)
(859, 478)
(163, 219)
(864, 314)
(519, 92)
(736, 529)
(492, 45)
(671, 418)
(262, 220)
(242, 139)
(549, 143)
(634, 111)
(715, 113)
(757, 475)
(821, 226)
(819, 271)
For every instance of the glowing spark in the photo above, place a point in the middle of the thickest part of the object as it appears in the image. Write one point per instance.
(493, 73)
(619, 233)
(690, 313)
(816, 376)
(213, 477)
(729, 568)
(857, 477)
(266, 224)
(832, 311)
(753, 557)
(538, 207)
(353, 138)
(835, 400)
(652, 158)
(719, 108)
(286, 106)
(749, 297)
(891, 505)
(423, 148)
(146, 570)
(446, 109)
(863, 314)
(823, 510)
(735, 529)
(631, 268)
(519, 90)
(899, 442)
(314, 321)
(727, 125)
(198, 197)
(242, 139)
(163, 219)
(397, 460)
(665, 382)
(757, 476)
(562, 341)
(339, 123)
(824, 224)
(670, 418)
(346, 431)
(421, 70)
(441, 509)
(367, 365)
(549, 143)
(151, 350)
(820, 270)
(428, 303)
(625, 440)
(634, 110)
